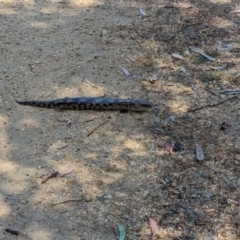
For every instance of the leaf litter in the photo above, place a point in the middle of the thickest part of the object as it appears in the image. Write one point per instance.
(143, 13)
(155, 228)
(177, 55)
(200, 51)
(199, 153)
(170, 182)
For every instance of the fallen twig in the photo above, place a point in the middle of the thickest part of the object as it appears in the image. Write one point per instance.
(89, 83)
(181, 30)
(89, 120)
(67, 121)
(64, 174)
(212, 105)
(12, 231)
(230, 91)
(50, 176)
(69, 200)
(59, 148)
(96, 128)
(155, 91)
(212, 92)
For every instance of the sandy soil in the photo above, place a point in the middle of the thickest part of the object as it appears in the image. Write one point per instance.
(121, 173)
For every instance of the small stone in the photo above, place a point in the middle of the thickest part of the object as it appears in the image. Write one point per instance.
(180, 157)
(145, 193)
(115, 94)
(88, 198)
(154, 77)
(24, 202)
(183, 69)
(39, 167)
(108, 196)
(174, 184)
(184, 160)
(237, 145)
(104, 32)
(186, 52)
(182, 215)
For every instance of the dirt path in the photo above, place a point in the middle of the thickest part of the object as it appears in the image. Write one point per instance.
(122, 173)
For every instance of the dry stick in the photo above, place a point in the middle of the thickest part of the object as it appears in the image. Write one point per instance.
(12, 231)
(212, 92)
(89, 83)
(96, 128)
(50, 176)
(212, 105)
(89, 120)
(62, 147)
(64, 174)
(155, 91)
(69, 200)
(180, 30)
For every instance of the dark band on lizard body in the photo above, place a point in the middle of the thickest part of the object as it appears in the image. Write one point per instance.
(92, 103)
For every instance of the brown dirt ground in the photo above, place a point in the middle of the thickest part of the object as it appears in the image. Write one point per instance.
(122, 173)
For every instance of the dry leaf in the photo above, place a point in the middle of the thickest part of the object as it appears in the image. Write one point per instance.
(210, 236)
(177, 55)
(155, 228)
(237, 75)
(169, 147)
(208, 57)
(235, 11)
(154, 77)
(142, 12)
(220, 67)
(230, 91)
(183, 69)
(199, 50)
(126, 72)
(225, 47)
(169, 119)
(89, 83)
(68, 122)
(199, 153)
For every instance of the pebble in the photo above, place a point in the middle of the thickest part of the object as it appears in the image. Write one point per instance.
(24, 202)
(145, 193)
(108, 196)
(186, 52)
(104, 32)
(174, 184)
(88, 198)
(115, 94)
(182, 215)
(153, 78)
(237, 145)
